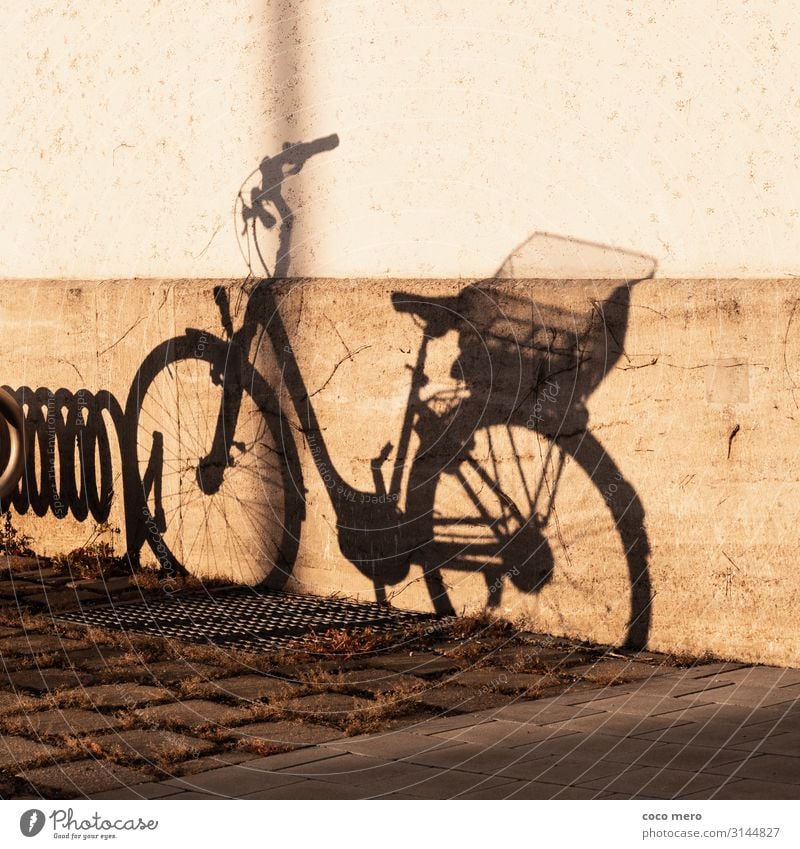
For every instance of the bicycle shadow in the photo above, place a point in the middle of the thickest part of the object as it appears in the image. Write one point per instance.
(532, 350)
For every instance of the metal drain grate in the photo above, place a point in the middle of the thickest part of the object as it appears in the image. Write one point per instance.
(244, 618)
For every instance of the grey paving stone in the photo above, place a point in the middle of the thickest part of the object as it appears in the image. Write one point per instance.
(38, 644)
(526, 682)
(152, 745)
(439, 724)
(655, 781)
(310, 790)
(622, 725)
(750, 695)
(68, 721)
(353, 769)
(713, 712)
(611, 668)
(413, 719)
(779, 769)
(193, 797)
(106, 586)
(421, 664)
(674, 756)
(748, 789)
(81, 778)
(253, 688)
(31, 567)
(762, 676)
(643, 704)
(546, 712)
(175, 671)
(567, 746)
(148, 790)
(486, 676)
(451, 784)
(193, 713)
(501, 680)
(524, 790)
(391, 797)
(676, 688)
(563, 771)
(774, 721)
(504, 733)
(96, 657)
(705, 670)
(591, 747)
(452, 697)
(308, 754)
(470, 757)
(47, 680)
(532, 658)
(232, 781)
(778, 743)
(392, 746)
(16, 751)
(577, 695)
(714, 734)
(122, 695)
(198, 765)
(335, 705)
(379, 777)
(19, 588)
(378, 681)
(287, 733)
(63, 598)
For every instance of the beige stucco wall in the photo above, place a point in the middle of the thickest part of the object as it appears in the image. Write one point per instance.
(702, 358)
(128, 128)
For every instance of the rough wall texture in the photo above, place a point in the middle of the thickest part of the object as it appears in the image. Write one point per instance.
(612, 459)
(128, 129)
(673, 405)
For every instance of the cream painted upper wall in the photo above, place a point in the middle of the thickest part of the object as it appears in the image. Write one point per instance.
(668, 128)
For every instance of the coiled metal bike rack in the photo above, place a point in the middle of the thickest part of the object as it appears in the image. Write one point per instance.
(12, 457)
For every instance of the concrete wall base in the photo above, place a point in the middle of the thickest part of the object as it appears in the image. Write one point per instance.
(612, 462)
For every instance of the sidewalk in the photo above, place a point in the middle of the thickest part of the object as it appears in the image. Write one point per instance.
(312, 698)
(720, 731)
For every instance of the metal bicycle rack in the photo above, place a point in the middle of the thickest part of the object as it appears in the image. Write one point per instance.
(12, 456)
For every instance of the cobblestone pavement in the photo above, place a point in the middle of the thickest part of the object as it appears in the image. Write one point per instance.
(719, 731)
(464, 708)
